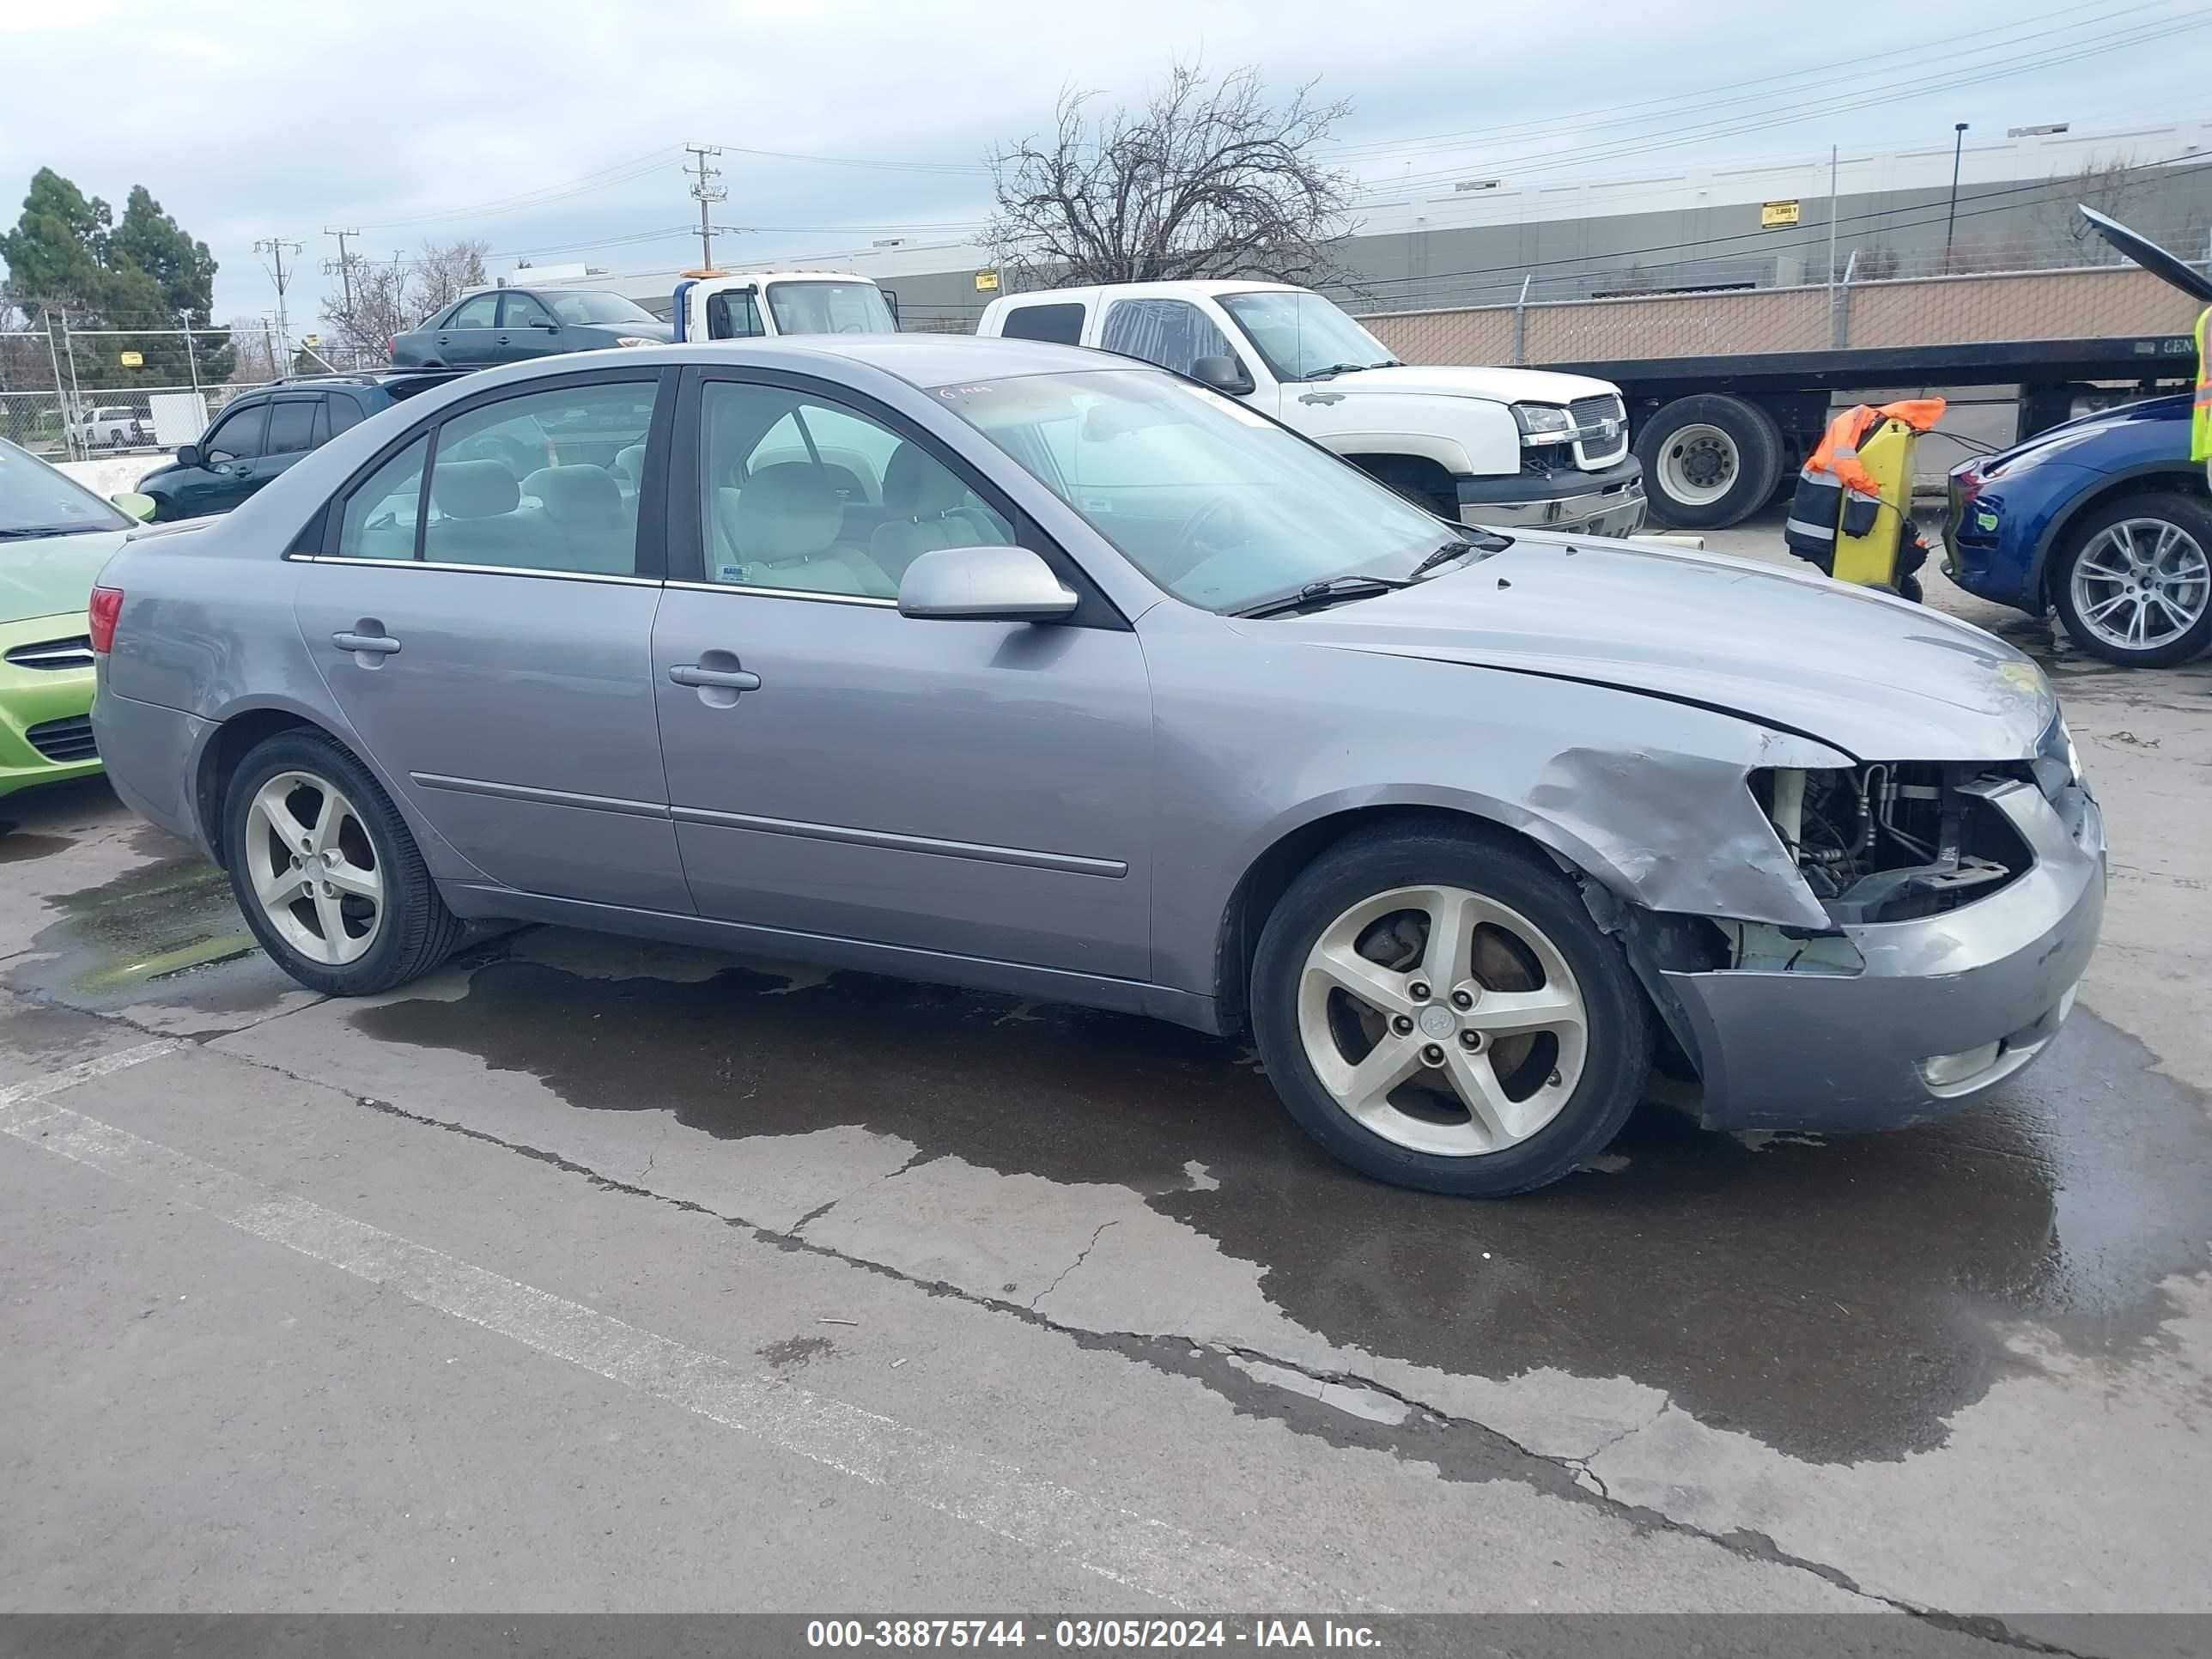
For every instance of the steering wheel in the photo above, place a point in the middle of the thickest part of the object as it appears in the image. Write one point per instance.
(1219, 523)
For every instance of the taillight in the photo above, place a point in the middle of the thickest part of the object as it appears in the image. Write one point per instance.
(105, 607)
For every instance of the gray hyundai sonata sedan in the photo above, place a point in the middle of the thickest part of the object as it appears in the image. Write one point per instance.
(1021, 667)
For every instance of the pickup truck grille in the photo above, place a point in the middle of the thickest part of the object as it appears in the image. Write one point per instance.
(1593, 449)
(68, 740)
(54, 654)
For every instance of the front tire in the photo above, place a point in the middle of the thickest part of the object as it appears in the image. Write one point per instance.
(1440, 1012)
(326, 872)
(2132, 581)
(1709, 461)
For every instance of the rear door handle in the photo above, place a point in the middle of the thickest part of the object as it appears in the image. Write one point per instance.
(364, 645)
(726, 679)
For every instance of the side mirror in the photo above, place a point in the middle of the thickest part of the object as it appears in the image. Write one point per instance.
(139, 507)
(189, 455)
(1223, 374)
(548, 325)
(983, 584)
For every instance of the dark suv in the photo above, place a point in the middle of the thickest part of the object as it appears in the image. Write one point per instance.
(260, 433)
(513, 324)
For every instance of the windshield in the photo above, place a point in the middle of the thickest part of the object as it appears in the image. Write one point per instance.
(596, 308)
(1219, 506)
(829, 308)
(37, 500)
(1301, 335)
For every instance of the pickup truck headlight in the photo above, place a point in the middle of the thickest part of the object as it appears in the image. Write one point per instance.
(1541, 423)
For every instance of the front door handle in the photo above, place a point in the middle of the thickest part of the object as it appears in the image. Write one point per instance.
(726, 679)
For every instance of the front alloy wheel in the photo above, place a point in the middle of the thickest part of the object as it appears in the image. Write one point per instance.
(1437, 1007)
(2133, 582)
(1442, 1021)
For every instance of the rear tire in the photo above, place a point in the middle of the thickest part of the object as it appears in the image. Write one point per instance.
(2145, 558)
(1709, 461)
(326, 872)
(1486, 1060)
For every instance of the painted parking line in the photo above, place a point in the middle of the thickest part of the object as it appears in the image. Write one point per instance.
(1139, 1552)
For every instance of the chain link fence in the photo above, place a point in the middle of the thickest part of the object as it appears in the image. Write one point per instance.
(73, 392)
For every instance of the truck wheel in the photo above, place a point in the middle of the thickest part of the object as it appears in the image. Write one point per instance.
(1709, 461)
(1440, 1012)
(2132, 580)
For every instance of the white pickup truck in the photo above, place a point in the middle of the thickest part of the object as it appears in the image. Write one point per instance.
(722, 305)
(1513, 448)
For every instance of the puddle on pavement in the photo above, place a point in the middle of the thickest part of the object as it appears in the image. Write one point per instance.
(21, 846)
(160, 931)
(1837, 1301)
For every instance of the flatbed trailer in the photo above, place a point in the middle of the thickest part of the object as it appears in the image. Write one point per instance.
(1721, 434)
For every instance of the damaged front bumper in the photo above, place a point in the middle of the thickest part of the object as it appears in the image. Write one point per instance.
(1944, 1006)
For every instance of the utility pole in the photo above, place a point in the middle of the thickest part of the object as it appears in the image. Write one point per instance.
(275, 248)
(345, 271)
(1958, 147)
(708, 191)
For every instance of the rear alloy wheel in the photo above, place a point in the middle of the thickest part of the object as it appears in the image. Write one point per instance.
(1466, 1030)
(2135, 585)
(324, 870)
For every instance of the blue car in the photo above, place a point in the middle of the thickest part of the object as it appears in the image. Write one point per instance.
(2104, 519)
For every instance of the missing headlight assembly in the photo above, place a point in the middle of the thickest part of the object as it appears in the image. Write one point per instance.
(1891, 841)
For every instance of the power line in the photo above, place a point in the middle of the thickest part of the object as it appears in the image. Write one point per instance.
(637, 167)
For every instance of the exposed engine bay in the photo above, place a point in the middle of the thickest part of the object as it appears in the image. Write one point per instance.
(1894, 840)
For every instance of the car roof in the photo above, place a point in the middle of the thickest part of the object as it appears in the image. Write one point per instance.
(921, 360)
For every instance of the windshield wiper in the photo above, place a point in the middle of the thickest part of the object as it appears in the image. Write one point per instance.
(1335, 369)
(31, 531)
(1483, 541)
(1333, 591)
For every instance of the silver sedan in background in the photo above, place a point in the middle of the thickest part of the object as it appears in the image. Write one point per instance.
(1020, 667)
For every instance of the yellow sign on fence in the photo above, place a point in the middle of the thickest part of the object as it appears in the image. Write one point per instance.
(131, 359)
(987, 281)
(1777, 216)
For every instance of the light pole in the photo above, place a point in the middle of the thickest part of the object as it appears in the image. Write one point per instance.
(1951, 220)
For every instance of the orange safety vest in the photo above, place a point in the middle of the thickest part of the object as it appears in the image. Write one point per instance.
(1838, 453)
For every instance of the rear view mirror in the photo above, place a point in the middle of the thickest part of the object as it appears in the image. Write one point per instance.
(983, 584)
(189, 455)
(139, 507)
(1223, 374)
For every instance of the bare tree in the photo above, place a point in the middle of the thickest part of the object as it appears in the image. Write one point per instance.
(391, 299)
(1209, 178)
(253, 362)
(2108, 185)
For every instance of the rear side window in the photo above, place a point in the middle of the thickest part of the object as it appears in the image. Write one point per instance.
(1173, 333)
(344, 412)
(292, 426)
(1062, 325)
(379, 521)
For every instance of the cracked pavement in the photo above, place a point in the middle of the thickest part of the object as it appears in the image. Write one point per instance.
(1957, 1374)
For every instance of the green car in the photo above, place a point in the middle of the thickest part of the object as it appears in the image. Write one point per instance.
(55, 535)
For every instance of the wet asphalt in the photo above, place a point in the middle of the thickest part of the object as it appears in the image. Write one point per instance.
(1823, 1305)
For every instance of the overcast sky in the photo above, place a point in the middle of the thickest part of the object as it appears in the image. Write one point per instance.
(544, 127)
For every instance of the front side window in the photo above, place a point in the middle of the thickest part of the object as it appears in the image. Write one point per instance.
(800, 494)
(813, 307)
(1062, 325)
(733, 314)
(520, 311)
(480, 312)
(593, 307)
(292, 426)
(1173, 333)
(1301, 336)
(379, 520)
(237, 436)
(533, 483)
(1218, 506)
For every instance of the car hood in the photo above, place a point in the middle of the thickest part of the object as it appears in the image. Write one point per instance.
(1504, 385)
(1876, 677)
(2052, 443)
(53, 575)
